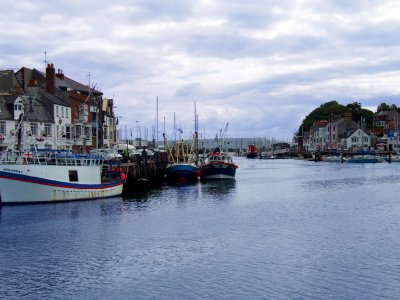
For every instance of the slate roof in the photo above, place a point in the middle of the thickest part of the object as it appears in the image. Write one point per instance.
(5, 113)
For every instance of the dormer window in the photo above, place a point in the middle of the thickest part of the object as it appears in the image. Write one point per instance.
(18, 106)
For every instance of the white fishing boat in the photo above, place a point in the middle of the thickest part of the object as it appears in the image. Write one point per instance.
(34, 176)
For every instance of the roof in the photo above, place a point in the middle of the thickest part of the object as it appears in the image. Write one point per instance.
(8, 81)
(40, 112)
(51, 99)
(5, 113)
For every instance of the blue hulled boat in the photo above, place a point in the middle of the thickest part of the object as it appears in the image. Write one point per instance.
(182, 167)
(182, 172)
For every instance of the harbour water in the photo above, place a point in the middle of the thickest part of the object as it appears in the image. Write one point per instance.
(284, 229)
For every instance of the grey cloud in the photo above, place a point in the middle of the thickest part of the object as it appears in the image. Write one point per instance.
(188, 90)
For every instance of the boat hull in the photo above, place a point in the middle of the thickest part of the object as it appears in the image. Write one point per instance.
(361, 160)
(218, 171)
(181, 173)
(40, 183)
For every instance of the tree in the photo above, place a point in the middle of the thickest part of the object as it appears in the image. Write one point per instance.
(383, 107)
(324, 112)
(355, 109)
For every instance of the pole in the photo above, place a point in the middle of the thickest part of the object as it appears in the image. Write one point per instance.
(157, 120)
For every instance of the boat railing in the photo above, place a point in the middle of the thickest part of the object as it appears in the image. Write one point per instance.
(52, 158)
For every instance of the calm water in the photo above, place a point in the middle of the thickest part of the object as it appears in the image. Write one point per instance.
(285, 229)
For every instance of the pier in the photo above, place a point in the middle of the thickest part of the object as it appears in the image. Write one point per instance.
(144, 171)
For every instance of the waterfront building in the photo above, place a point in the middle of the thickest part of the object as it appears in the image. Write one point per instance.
(356, 140)
(386, 125)
(336, 129)
(62, 113)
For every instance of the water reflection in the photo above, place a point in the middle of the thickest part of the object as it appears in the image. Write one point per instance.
(218, 188)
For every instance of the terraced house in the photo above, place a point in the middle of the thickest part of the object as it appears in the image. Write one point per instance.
(59, 112)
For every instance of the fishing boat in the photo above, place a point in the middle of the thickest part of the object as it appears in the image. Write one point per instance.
(35, 176)
(218, 163)
(182, 162)
(252, 151)
(39, 176)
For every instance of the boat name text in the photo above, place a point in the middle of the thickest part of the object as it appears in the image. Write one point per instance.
(14, 171)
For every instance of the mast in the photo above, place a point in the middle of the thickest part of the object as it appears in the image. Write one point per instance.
(157, 119)
(174, 128)
(196, 133)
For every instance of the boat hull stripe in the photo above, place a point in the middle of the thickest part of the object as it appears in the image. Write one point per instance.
(47, 182)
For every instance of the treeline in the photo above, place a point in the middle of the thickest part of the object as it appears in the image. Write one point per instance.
(332, 110)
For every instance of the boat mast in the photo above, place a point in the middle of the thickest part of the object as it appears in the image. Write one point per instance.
(157, 119)
(196, 133)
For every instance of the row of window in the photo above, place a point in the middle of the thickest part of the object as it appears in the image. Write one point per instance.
(80, 130)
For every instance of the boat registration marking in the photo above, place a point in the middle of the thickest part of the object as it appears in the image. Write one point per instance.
(12, 170)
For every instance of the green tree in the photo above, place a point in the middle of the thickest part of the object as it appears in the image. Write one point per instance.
(356, 111)
(333, 109)
(325, 111)
(383, 107)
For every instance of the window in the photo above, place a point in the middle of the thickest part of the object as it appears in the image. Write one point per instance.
(66, 112)
(68, 132)
(87, 131)
(57, 131)
(78, 131)
(17, 106)
(34, 129)
(57, 111)
(354, 139)
(47, 146)
(380, 123)
(62, 112)
(47, 129)
(73, 175)
(105, 133)
(2, 127)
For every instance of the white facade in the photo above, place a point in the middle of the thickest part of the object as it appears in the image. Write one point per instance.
(359, 140)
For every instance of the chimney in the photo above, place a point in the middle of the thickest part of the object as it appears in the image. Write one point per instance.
(60, 74)
(32, 83)
(50, 79)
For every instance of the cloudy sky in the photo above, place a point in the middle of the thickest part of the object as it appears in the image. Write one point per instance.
(260, 65)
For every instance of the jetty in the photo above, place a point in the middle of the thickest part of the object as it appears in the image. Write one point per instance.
(144, 171)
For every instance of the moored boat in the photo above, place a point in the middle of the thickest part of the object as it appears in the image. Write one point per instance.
(252, 151)
(365, 159)
(182, 162)
(333, 158)
(35, 176)
(181, 172)
(49, 176)
(218, 165)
